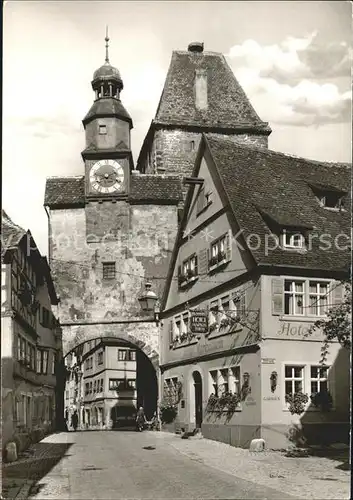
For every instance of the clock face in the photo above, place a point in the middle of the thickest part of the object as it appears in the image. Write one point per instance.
(107, 176)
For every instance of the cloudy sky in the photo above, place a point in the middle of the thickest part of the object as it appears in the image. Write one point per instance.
(292, 58)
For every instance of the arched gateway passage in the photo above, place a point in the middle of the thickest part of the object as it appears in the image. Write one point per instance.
(107, 379)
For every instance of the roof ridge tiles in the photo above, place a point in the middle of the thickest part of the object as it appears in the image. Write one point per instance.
(268, 151)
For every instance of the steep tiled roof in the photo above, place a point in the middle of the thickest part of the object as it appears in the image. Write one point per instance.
(228, 105)
(11, 233)
(120, 147)
(108, 107)
(265, 186)
(155, 188)
(61, 191)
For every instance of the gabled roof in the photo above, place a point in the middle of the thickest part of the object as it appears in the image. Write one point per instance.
(228, 105)
(63, 191)
(11, 233)
(258, 181)
(268, 191)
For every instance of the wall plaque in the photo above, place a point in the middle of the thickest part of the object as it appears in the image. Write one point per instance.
(268, 361)
(199, 321)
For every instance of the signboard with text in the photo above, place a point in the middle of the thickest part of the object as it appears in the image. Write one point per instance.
(199, 322)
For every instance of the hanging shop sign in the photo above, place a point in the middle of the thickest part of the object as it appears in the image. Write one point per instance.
(199, 321)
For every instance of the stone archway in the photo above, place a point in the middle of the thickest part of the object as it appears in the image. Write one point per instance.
(144, 339)
(144, 335)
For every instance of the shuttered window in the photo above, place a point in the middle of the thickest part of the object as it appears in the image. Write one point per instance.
(304, 297)
(277, 296)
(220, 251)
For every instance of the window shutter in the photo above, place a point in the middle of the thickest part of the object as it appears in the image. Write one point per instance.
(171, 331)
(337, 293)
(277, 296)
(228, 245)
(202, 261)
(179, 272)
(200, 199)
(241, 305)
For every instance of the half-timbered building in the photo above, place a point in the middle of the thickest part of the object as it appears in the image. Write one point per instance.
(30, 338)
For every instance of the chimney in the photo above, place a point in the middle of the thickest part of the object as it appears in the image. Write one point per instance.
(195, 47)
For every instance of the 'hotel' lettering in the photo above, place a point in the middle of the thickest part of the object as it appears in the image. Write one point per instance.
(292, 331)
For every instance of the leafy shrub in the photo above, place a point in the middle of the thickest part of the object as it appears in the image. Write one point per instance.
(322, 400)
(168, 413)
(297, 402)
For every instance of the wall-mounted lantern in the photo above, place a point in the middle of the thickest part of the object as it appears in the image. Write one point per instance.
(149, 301)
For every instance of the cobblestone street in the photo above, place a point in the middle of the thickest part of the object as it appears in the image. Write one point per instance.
(104, 465)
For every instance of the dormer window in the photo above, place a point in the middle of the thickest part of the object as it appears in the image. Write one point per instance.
(204, 200)
(331, 199)
(293, 240)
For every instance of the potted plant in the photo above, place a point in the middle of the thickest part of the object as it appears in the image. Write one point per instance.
(233, 401)
(213, 326)
(297, 402)
(212, 402)
(168, 412)
(191, 273)
(183, 337)
(225, 322)
(213, 261)
(221, 256)
(182, 279)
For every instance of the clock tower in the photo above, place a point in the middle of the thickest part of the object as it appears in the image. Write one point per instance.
(107, 156)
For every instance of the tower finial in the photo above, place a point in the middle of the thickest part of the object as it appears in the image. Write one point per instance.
(106, 46)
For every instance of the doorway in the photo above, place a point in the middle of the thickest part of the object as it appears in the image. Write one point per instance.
(198, 398)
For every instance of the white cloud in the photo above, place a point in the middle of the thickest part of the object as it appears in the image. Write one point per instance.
(286, 83)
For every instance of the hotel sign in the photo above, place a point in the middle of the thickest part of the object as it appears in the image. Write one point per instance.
(297, 331)
(199, 321)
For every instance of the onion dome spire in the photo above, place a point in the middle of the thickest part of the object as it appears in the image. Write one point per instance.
(107, 81)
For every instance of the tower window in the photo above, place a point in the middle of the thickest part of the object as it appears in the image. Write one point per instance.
(102, 129)
(109, 270)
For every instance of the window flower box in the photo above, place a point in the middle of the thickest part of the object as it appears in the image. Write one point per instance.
(188, 278)
(217, 260)
(183, 338)
(182, 279)
(227, 402)
(221, 257)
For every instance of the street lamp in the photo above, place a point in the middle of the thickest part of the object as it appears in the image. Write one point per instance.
(149, 301)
